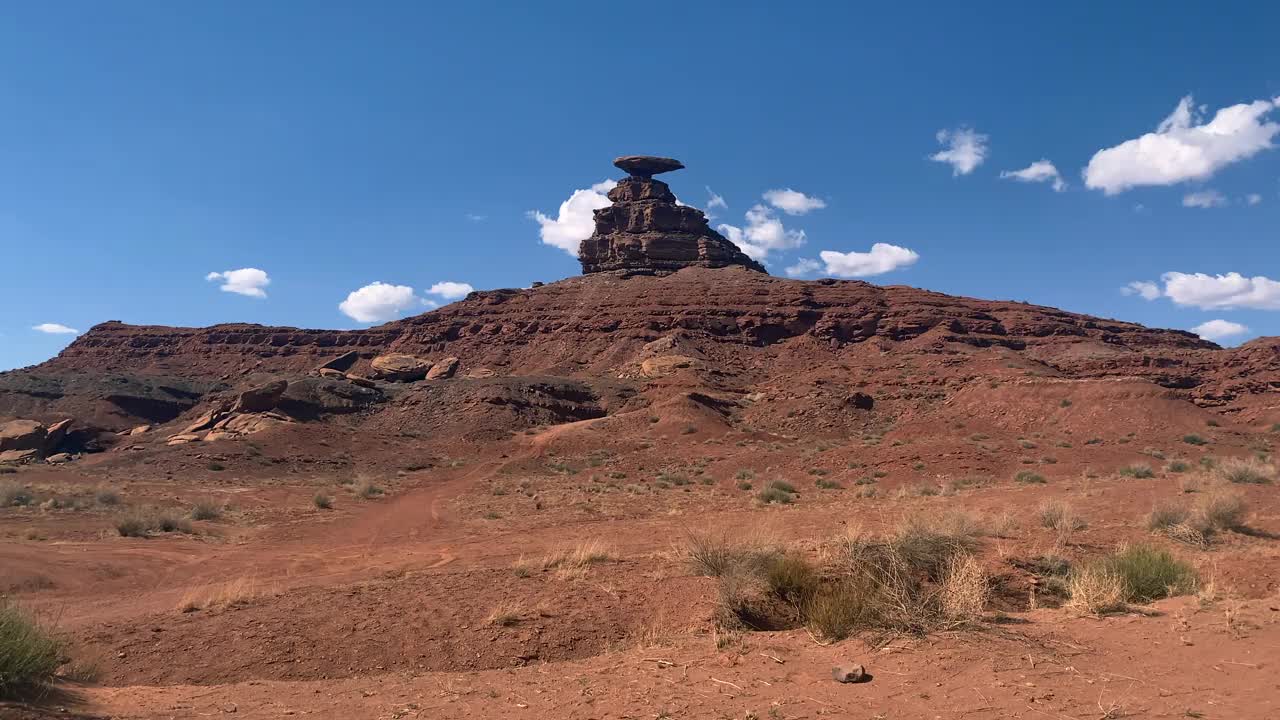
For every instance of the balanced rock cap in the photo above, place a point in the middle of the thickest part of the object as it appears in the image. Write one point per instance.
(646, 166)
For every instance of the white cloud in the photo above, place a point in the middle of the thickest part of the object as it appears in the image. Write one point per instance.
(764, 233)
(1211, 292)
(1204, 199)
(793, 202)
(1216, 330)
(965, 151)
(450, 290)
(882, 259)
(1253, 198)
(55, 329)
(1181, 150)
(379, 302)
(1039, 171)
(715, 201)
(473, 217)
(576, 220)
(1145, 289)
(803, 266)
(245, 281)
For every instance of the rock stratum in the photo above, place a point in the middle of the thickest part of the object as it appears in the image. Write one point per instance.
(732, 330)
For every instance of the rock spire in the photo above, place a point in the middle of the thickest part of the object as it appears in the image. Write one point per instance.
(644, 228)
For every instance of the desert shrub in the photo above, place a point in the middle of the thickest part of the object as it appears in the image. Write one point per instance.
(1220, 510)
(366, 490)
(1139, 471)
(1166, 515)
(1194, 439)
(926, 543)
(825, 484)
(783, 485)
(1060, 516)
(12, 493)
(206, 509)
(1148, 573)
(745, 475)
(141, 523)
(132, 525)
(29, 653)
(107, 496)
(1247, 471)
(216, 466)
(322, 501)
(744, 485)
(1178, 466)
(1027, 477)
(839, 609)
(774, 495)
(790, 578)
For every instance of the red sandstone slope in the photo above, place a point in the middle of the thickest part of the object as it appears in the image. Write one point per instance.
(748, 327)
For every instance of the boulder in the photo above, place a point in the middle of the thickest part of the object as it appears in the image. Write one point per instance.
(443, 370)
(56, 433)
(261, 398)
(646, 166)
(59, 458)
(479, 373)
(849, 674)
(22, 435)
(330, 373)
(139, 430)
(206, 421)
(181, 438)
(19, 457)
(313, 397)
(246, 424)
(664, 365)
(342, 363)
(360, 380)
(400, 368)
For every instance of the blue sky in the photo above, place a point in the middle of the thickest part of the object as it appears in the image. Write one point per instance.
(144, 146)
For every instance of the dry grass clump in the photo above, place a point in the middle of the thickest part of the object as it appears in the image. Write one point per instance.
(206, 509)
(1060, 516)
(141, 523)
(1095, 590)
(1140, 471)
(367, 490)
(1026, 477)
(920, 578)
(15, 494)
(965, 591)
(1247, 471)
(29, 653)
(219, 595)
(507, 613)
(719, 555)
(1221, 510)
(1212, 513)
(322, 501)
(569, 562)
